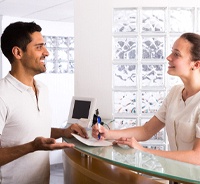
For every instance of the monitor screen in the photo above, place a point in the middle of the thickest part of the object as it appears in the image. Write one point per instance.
(81, 109)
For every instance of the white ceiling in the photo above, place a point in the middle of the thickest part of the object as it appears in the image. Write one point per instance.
(50, 10)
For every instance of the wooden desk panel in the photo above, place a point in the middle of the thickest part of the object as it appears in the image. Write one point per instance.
(80, 169)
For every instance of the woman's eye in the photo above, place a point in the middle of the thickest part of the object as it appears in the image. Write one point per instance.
(176, 54)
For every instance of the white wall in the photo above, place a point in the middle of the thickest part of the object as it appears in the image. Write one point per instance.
(61, 86)
(93, 52)
(93, 45)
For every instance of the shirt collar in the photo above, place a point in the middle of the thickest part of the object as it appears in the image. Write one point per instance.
(16, 83)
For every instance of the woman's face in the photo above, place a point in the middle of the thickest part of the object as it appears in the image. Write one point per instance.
(180, 63)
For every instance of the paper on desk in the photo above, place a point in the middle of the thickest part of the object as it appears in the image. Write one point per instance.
(92, 141)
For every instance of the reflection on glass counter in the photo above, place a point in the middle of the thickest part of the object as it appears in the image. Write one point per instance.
(142, 162)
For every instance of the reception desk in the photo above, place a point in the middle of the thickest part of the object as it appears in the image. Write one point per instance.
(114, 164)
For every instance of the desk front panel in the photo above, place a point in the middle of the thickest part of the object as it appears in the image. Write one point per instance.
(142, 162)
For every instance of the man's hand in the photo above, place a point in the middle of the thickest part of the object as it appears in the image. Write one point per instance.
(41, 143)
(76, 129)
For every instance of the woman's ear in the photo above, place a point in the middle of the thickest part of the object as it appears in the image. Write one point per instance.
(17, 52)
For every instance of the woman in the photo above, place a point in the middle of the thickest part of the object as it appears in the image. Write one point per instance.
(180, 111)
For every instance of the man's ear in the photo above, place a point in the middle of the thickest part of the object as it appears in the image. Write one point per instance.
(17, 52)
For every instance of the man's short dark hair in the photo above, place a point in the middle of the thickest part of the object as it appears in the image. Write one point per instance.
(17, 34)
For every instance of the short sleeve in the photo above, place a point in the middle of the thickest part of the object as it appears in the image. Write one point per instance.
(3, 115)
(198, 128)
(162, 111)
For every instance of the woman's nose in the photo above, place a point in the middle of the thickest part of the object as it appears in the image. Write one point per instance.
(168, 57)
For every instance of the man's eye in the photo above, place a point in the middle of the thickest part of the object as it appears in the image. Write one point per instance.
(39, 47)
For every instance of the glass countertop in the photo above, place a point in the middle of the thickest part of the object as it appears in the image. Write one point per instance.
(142, 162)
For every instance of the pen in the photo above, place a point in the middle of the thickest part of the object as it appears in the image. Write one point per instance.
(99, 122)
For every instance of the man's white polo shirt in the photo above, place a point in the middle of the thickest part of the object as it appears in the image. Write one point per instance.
(23, 117)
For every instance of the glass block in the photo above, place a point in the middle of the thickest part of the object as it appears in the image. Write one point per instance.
(144, 120)
(181, 19)
(172, 39)
(151, 101)
(153, 47)
(52, 54)
(174, 80)
(124, 75)
(159, 28)
(56, 67)
(71, 42)
(125, 20)
(125, 102)
(62, 55)
(198, 19)
(160, 136)
(125, 48)
(50, 67)
(62, 67)
(62, 42)
(71, 54)
(153, 20)
(51, 41)
(71, 48)
(124, 123)
(71, 66)
(152, 75)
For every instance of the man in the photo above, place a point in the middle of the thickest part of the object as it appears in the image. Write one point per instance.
(25, 131)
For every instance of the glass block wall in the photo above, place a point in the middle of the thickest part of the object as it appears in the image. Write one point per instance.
(61, 54)
(142, 39)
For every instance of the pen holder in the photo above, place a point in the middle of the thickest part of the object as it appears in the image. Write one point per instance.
(94, 121)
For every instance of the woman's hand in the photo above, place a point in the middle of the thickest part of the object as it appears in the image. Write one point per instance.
(99, 129)
(131, 142)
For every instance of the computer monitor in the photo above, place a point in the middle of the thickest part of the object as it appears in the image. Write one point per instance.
(82, 110)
